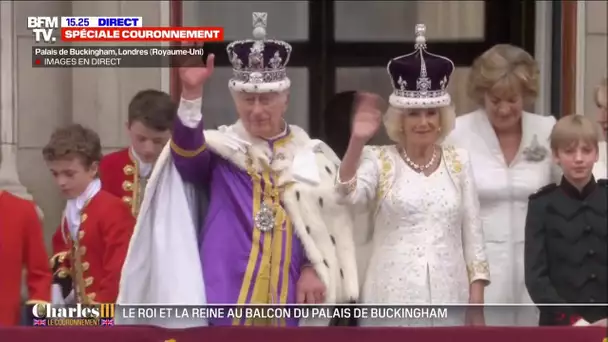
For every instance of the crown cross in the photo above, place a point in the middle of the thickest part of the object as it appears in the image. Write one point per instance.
(275, 61)
(402, 83)
(260, 19)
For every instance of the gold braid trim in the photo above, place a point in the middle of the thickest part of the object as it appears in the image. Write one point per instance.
(187, 153)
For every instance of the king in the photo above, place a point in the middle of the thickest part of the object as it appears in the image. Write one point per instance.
(247, 213)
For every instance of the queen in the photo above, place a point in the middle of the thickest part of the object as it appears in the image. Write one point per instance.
(426, 235)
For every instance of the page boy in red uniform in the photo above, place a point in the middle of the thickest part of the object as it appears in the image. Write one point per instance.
(21, 245)
(91, 242)
(125, 173)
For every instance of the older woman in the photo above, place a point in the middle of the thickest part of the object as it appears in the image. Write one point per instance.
(601, 101)
(426, 234)
(511, 158)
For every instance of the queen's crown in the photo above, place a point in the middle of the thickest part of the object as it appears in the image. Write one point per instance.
(420, 79)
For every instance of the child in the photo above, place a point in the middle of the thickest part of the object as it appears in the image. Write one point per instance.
(125, 173)
(601, 101)
(566, 245)
(91, 242)
(21, 245)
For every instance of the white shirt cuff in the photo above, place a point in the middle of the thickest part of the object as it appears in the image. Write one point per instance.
(189, 112)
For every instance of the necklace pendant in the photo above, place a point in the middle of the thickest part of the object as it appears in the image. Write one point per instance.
(264, 218)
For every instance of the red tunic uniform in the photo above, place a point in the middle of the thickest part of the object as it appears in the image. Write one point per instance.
(119, 174)
(21, 245)
(94, 260)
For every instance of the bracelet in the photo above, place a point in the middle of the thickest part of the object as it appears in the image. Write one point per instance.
(346, 187)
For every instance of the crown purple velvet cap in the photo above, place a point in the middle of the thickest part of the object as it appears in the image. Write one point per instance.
(259, 64)
(420, 79)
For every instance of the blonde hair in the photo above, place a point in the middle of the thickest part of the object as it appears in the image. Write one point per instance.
(601, 93)
(572, 129)
(504, 70)
(393, 122)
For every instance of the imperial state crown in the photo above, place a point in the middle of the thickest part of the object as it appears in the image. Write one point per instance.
(420, 79)
(259, 64)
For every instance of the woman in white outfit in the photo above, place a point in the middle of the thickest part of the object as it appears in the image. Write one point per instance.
(601, 100)
(509, 151)
(427, 235)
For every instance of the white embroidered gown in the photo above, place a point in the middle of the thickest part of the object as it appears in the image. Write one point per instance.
(426, 234)
(503, 194)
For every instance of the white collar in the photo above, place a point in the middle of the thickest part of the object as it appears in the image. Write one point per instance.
(144, 168)
(73, 207)
(91, 190)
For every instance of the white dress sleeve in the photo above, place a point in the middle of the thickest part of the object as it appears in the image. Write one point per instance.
(362, 189)
(472, 230)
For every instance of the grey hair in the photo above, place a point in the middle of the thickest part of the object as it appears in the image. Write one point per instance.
(393, 122)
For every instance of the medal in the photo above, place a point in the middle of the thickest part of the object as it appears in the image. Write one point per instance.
(264, 219)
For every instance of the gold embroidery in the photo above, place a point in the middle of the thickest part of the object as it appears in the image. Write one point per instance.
(57, 258)
(83, 250)
(452, 157)
(127, 186)
(85, 266)
(83, 217)
(88, 281)
(128, 200)
(136, 187)
(81, 234)
(129, 170)
(478, 268)
(36, 301)
(187, 153)
(62, 272)
(92, 296)
(385, 169)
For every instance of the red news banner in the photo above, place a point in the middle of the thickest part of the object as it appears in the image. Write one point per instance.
(47, 31)
(114, 29)
(143, 34)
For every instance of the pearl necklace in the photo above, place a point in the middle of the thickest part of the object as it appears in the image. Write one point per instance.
(416, 167)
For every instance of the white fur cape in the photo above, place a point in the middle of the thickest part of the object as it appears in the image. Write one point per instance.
(163, 264)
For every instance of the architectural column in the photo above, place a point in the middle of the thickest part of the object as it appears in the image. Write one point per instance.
(101, 96)
(9, 177)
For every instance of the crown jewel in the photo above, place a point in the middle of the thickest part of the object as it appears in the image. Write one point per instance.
(259, 64)
(420, 78)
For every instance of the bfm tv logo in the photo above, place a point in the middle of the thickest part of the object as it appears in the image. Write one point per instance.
(73, 314)
(42, 28)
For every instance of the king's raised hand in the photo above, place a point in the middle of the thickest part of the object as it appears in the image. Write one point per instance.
(193, 74)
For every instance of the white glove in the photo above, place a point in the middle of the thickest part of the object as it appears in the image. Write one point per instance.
(189, 112)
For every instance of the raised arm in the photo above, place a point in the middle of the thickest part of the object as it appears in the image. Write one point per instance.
(190, 154)
(361, 187)
(358, 175)
(472, 234)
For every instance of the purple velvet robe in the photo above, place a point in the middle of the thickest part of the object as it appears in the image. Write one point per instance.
(241, 264)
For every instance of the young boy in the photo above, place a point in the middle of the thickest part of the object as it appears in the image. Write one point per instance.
(125, 173)
(91, 242)
(21, 245)
(566, 244)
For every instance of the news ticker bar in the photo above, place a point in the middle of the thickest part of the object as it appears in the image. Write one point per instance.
(112, 56)
(137, 314)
